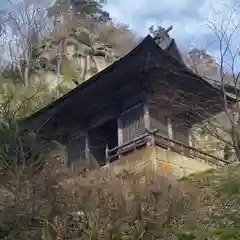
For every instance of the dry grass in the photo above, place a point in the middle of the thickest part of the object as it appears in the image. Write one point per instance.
(55, 204)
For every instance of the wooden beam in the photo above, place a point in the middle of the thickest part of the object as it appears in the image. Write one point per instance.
(120, 132)
(170, 130)
(146, 116)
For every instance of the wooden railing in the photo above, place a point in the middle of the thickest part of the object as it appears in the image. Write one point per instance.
(193, 152)
(164, 142)
(128, 146)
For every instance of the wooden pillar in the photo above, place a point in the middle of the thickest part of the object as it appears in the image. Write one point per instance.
(120, 133)
(170, 130)
(190, 142)
(87, 150)
(190, 138)
(146, 116)
(106, 155)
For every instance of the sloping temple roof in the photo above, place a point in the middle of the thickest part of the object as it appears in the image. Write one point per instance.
(114, 75)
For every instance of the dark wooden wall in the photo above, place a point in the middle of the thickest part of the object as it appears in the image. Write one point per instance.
(158, 120)
(166, 101)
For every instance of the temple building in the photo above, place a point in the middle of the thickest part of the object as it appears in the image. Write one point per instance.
(138, 112)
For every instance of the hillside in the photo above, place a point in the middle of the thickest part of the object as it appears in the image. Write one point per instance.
(42, 199)
(100, 205)
(71, 57)
(218, 211)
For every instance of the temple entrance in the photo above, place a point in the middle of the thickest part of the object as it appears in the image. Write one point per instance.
(101, 137)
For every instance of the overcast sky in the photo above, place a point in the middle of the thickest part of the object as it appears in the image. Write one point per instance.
(188, 17)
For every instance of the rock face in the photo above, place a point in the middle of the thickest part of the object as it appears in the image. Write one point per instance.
(73, 60)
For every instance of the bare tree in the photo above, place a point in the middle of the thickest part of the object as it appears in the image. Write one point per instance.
(224, 75)
(27, 23)
(221, 131)
(117, 36)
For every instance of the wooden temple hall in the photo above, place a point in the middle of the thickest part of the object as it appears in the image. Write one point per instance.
(137, 112)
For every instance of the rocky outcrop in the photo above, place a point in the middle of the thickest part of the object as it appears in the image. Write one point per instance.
(73, 60)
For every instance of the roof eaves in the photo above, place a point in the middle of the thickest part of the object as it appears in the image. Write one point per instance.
(186, 70)
(90, 81)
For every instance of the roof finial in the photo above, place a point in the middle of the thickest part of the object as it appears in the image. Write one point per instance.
(161, 36)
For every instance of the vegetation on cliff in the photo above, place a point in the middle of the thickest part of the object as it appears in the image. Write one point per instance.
(52, 48)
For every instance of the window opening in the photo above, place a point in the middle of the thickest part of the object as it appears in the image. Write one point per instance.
(132, 123)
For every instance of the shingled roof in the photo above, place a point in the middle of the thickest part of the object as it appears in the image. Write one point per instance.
(148, 44)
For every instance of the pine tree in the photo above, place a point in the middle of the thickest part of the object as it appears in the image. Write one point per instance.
(88, 8)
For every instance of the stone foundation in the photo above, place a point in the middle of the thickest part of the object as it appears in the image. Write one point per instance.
(161, 160)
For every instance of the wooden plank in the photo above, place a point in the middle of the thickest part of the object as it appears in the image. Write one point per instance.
(146, 116)
(120, 133)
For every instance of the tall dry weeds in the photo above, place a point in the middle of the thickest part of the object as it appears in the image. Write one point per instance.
(56, 204)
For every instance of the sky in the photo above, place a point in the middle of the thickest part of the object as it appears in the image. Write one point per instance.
(189, 19)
